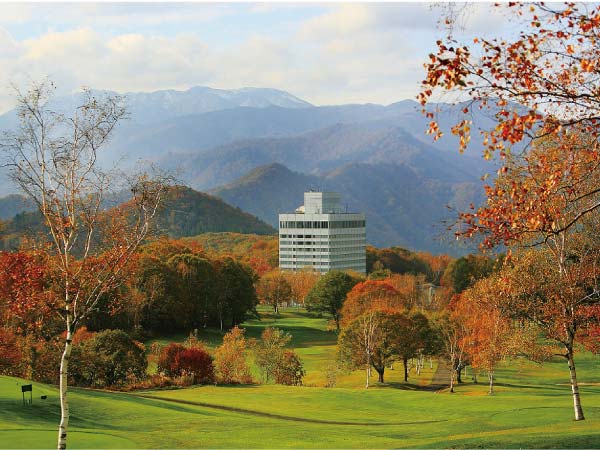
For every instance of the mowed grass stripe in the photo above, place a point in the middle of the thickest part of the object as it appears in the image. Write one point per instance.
(282, 417)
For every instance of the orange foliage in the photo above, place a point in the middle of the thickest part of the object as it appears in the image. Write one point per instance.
(301, 283)
(25, 301)
(490, 336)
(408, 287)
(553, 65)
(370, 296)
(540, 194)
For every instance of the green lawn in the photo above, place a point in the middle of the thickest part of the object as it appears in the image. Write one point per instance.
(532, 408)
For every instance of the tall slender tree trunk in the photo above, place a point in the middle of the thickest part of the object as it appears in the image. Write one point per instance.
(405, 362)
(380, 374)
(491, 378)
(574, 386)
(64, 403)
(452, 374)
(368, 372)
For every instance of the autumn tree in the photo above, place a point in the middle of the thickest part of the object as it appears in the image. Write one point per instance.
(541, 87)
(275, 361)
(396, 259)
(370, 341)
(370, 296)
(410, 288)
(329, 293)
(230, 358)
(10, 353)
(178, 360)
(25, 300)
(197, 286)
(463, 272)
(52, 158)
(537, 83)
(563, 302)
(545, 197)
(301, 282)
(290, 371)
(107, 358)
(491, 334)
(159, 306)
(452, 331)
(262, 256)
(437, 265)
(236, 297)
(413, 338)
(273, 289)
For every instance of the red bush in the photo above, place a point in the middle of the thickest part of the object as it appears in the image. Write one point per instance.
(176, 360)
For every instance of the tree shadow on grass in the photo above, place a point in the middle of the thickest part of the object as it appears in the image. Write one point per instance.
(408, 386)
(530, 386)
(301, 336)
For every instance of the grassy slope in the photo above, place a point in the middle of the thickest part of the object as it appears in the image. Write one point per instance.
(531, 409)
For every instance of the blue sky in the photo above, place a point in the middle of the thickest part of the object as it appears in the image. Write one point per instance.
(324, 53)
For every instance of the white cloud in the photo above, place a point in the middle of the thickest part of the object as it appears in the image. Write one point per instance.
(341, 20)
(347, 53)
(134, 14)
(10, 47)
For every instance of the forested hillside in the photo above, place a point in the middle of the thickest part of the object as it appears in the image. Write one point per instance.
(185, 212)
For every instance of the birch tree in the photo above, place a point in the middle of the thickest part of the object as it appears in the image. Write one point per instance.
(452, 332)
(52, 158)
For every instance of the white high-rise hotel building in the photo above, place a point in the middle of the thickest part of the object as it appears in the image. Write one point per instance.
(321, 236)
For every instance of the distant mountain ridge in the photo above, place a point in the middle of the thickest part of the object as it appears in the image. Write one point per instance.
(160, 105)
(401, 206)
(323, 150)
(378, 156)
(14, 204)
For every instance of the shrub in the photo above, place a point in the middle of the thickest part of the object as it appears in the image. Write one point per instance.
(275, 361)
(269, 351)
(151, 382)
(289, 371)
(230, 359)
(166, 360)
(110, 358)
(177, 360)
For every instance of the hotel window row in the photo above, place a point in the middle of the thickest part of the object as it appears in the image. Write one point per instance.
(321, 224)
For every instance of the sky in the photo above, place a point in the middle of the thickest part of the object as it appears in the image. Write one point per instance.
(330, 53)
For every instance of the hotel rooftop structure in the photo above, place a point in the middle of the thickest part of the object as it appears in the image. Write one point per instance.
(321, 236)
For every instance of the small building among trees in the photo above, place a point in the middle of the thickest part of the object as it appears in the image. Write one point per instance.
(322, 236)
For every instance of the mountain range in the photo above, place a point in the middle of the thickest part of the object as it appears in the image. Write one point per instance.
(259, 149)
(402, 206)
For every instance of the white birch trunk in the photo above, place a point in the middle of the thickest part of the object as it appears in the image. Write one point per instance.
(575, 388)
(64, 403)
